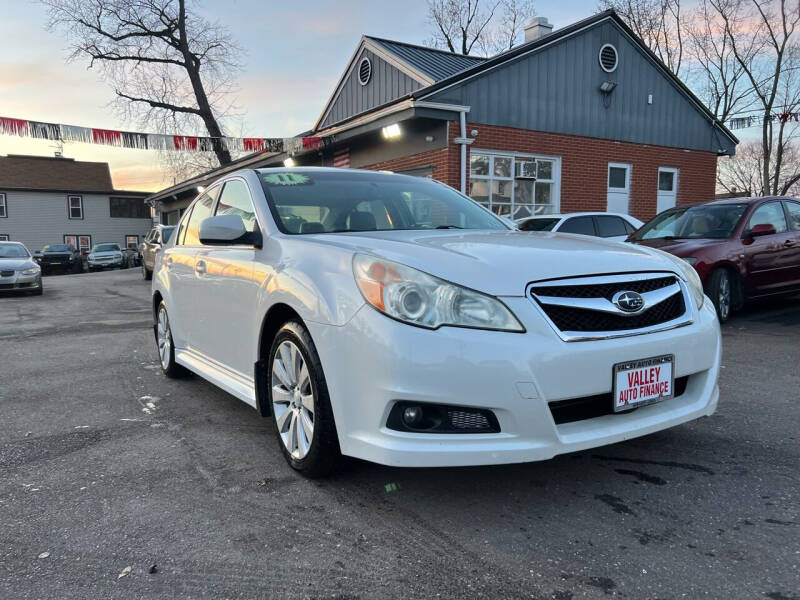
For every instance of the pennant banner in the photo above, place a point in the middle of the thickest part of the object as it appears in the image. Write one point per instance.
(744, 122)
(155, 141)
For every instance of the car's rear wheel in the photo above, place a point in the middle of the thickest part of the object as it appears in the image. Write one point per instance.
(298, 395)
(720, 290)
(166, 347)
(147, 275)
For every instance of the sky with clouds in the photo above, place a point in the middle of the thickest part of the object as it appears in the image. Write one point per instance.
(295, 53)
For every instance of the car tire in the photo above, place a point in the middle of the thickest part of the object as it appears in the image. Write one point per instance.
(295, 382)
(720, 290)
(147, 274)
(165, 346)
(39, 292)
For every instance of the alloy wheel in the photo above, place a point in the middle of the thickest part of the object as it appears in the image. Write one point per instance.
(164, 338)
(724, 296)
(292, 399)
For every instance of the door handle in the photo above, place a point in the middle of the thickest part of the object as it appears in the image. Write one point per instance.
(168, 261)
(200, 267)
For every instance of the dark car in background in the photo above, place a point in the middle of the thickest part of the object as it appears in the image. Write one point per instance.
(742, 248)
(59, 257)
(152, 245)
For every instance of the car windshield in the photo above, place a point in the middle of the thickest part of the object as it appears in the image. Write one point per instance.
(538, 225)
(105, 248)
(56, 248)
(13, 251)
(166, 233)
(305, 202)
(711, 221)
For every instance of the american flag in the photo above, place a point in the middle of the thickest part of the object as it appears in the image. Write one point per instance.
(341, 158)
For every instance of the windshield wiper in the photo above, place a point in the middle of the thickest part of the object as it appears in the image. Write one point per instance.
(448, 227)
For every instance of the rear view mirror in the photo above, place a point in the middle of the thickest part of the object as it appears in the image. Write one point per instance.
(762, 229)
(227, 230)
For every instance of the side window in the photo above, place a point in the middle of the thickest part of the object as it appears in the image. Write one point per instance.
(201, 211)
(770, 213)
(628, 227)
(582, 225)
(610, 226)
(235, 200)
(793, 210)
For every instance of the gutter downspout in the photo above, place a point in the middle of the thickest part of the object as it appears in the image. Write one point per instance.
(464, 141)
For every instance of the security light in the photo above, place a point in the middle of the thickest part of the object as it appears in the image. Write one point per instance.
(607, 87)
(391, 132)
(289, 162)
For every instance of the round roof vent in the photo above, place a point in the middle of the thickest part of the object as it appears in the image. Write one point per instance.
(608, 58)
(364, 71)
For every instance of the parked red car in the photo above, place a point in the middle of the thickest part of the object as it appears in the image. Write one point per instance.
(742, 248)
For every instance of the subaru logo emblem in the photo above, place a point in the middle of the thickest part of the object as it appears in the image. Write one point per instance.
(628, 301)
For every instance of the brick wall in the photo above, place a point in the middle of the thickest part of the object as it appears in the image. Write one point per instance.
(584, 166)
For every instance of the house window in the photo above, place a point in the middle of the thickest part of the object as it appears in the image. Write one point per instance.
(75, 206)
(71, 240)
(84, 243)
(128, 208)
(3, 209)
(514, 186)
(4, 237)
(132, 242)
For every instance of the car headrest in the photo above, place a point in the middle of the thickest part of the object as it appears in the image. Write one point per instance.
(361, 221)
(312, 227)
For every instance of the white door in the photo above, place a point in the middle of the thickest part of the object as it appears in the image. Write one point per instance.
(619, 187)
(667, 188)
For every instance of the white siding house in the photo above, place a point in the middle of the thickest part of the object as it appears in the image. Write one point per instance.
(47, 200)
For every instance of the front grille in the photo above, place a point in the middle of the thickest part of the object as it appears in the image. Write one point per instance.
(583, 306)
(603, 290)
(7, 273)
(576, 319)
(589, 407)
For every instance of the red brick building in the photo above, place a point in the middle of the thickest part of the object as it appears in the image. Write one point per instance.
(580, 118)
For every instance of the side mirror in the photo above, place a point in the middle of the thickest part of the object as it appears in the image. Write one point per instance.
(762, 229)
(227, 230)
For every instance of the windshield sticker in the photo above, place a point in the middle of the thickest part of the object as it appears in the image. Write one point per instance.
(287, 179)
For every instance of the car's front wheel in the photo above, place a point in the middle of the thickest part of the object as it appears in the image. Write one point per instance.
(720, 290)
(298, 394)
(166, 347)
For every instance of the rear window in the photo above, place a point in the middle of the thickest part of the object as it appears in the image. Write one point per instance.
(581, 225)
(610, 226)
(538, 224)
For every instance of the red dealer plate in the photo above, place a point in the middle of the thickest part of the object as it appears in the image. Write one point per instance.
(645, 381)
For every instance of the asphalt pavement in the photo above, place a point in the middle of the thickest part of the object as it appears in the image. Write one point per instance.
(118, 483)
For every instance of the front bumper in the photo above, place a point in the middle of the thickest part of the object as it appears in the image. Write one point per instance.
(21, 283)
(100, 263)
(373, 361)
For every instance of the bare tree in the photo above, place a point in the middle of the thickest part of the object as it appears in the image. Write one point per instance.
(658, 23)
(763, 38)
(743, 173)
(169, 66)
(714, 71)
(485, 27)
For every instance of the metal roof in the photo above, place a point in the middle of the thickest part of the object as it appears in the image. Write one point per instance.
(437, 64)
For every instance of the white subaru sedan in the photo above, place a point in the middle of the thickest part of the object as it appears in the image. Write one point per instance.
(392, 319)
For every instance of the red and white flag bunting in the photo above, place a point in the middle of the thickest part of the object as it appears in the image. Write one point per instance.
(341, 158)
(155, 141)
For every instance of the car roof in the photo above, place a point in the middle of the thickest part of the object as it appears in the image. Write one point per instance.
(578, 214)
(747, 200)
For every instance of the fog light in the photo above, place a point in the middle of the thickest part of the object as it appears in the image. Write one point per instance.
(412, 416)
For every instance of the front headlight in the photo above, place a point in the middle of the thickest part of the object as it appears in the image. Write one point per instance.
(417, 298)
(90, 256)
(32, 271)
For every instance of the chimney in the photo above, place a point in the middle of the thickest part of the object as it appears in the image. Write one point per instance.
(538, 28)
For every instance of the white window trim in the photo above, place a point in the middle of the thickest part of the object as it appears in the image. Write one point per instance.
(3, 206)
(628, 174)
(556, 178)
(675, 181)
(69, 207)
(4, 237)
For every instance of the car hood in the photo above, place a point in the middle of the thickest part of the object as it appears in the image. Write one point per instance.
(680, 247)
(500, 263)
(6, 264)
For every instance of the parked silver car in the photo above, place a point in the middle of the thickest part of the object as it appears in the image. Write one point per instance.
(18, 271)
(106, 256)
(152, 245)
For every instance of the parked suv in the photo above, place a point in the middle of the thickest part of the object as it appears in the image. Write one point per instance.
(152, 245)
(59, 257)
(106, 256)
(742, 248)
(393, 319)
